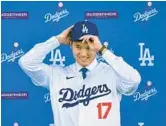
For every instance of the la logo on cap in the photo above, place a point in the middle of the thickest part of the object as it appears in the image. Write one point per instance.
(84, 29)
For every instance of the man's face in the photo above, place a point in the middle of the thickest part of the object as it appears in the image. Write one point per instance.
(82, 53)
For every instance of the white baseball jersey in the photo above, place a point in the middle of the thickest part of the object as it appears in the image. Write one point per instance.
(93, 101)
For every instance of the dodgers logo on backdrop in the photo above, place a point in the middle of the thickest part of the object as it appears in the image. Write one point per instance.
(84, 29)
(145, 95)
(55, 17)
(57, 57)
(145, 56)
(71, 98)
(149, 92)
(145, 16)
(11, 57)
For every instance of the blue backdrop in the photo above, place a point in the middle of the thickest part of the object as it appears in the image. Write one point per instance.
(134, 30)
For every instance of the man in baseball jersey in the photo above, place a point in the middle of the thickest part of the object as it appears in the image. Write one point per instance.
(88, 92)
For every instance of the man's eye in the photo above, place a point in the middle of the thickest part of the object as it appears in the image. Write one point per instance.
(78, 47)
(87, 48)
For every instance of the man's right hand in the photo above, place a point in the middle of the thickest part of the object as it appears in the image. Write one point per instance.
(64, 37)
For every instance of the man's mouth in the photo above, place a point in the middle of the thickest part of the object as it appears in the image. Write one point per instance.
(83, 59)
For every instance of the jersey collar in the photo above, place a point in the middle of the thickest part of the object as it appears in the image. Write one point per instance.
(90, 67)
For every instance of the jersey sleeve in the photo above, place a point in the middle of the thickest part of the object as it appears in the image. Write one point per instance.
(32, 62)
(127, 78)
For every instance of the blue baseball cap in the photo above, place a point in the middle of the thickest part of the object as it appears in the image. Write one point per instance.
(82, 28)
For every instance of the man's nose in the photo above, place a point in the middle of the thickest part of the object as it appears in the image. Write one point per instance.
(83, 52)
